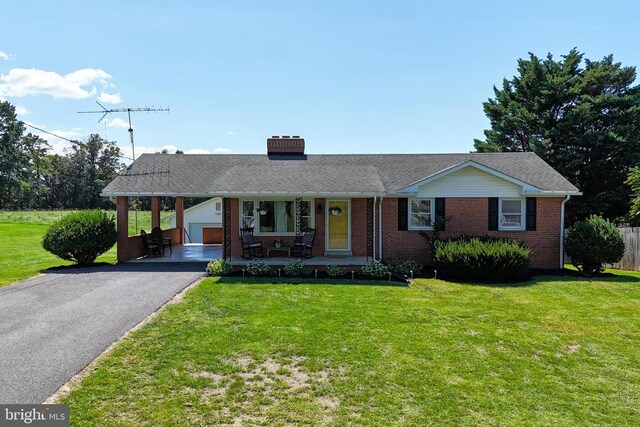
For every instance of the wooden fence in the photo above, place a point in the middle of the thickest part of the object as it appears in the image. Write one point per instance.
(631, 258)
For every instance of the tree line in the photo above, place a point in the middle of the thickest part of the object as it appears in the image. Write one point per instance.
(31, 177)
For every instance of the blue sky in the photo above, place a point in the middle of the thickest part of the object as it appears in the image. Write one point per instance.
(349, 76)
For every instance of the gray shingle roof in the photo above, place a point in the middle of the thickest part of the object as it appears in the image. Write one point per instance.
(212, 174)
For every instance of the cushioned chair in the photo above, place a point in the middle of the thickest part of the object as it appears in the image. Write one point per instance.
(250, 246)
(303, 245)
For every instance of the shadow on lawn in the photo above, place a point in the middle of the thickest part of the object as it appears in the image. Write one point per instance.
(565, 275)
(306, 281)
(168, 267)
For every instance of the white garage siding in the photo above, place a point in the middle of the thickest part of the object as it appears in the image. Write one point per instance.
(206, 214)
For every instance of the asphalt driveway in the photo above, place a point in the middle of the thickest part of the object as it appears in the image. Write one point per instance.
(53, 325)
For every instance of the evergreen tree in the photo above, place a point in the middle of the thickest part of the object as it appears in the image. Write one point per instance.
(584, 120)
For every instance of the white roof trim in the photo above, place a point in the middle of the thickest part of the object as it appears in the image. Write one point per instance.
(526, 188)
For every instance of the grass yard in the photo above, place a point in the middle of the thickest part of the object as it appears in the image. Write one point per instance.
(554, 351)
(21, 234)
(49, 217)
(22, 255)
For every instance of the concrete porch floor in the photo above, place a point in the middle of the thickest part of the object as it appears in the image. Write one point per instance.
(190, 252)
(193, 252)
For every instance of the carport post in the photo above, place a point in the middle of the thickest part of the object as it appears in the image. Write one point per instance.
(180, 217)
(155, 211)
(122, 211)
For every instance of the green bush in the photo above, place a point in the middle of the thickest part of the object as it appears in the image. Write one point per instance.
(592, 243)
(82, 236)
(296, 268)
(404, 266)
(258, 268)
(334, 271)
(219, 267)
(376, 269)
(481, 258)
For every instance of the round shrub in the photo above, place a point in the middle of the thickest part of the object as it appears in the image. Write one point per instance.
(258, 268)
(219, 267)
(592, 243)
(334, 271)
(482, 259)
(376, 269)
(404, 266)
(296, 268)
(82, 236)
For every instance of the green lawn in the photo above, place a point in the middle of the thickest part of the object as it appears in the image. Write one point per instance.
(21, 234)
(554, 351)
(49, 217)
(22, 255)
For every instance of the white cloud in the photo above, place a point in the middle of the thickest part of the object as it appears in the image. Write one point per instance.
(197, 151)
(230, 132)
(142, 149)
(222, 150)
(79, 84)
(110, 98)
(118, 123)
(22, 110)
(170, 148)
(58, 145)
(4, 55)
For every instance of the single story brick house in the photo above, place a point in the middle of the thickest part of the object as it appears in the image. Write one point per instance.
(363, 205)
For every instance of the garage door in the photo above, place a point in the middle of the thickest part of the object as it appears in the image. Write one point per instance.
(195, 231)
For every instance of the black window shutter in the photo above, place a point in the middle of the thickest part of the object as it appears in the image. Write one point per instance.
(531, 213)
(493, 213)
(440, 215)
(403, 214)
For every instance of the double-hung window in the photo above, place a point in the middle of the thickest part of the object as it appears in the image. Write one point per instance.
(275, 216)
(511, 214)
(421, 214)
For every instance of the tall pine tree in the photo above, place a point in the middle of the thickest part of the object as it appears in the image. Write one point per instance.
(581, 116)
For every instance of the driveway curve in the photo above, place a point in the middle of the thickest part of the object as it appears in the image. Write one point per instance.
(55, 324)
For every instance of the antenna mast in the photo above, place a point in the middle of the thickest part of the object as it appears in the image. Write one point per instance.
(106, 111)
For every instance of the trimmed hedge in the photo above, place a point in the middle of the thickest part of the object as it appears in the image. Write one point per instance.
(592, 243)
(481, 259)
(82, 236)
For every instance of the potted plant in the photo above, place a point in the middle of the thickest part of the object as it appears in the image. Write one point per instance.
(278, 243)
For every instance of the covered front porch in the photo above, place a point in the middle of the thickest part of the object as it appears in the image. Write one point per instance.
(344, 230)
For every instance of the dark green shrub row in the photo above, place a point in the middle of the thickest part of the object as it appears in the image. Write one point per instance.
(481, 258)
(81, 236)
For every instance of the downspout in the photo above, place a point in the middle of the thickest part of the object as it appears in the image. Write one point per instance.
(374, 227)
(562, 231)
(380, 228)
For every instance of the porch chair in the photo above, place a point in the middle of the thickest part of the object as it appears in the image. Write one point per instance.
(150, 247)
(250, 246)
(303, 245)
(158, 238)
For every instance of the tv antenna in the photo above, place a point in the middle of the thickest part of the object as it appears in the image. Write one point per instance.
(106, 111)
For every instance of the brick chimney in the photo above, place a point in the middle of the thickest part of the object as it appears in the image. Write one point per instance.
(285, 144)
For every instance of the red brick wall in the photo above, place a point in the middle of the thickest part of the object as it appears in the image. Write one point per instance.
(359, 227)
(122, 224)
(470, 216)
